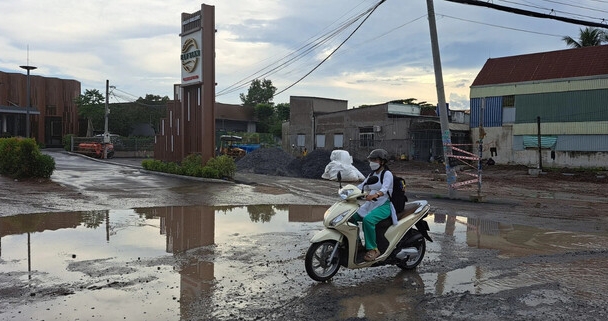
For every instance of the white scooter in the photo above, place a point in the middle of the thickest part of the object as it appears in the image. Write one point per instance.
(338, 244)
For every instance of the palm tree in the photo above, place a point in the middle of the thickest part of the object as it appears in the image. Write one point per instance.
(588, 37)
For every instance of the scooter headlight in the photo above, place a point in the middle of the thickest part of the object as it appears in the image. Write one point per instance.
(345, 193)
(338, 218)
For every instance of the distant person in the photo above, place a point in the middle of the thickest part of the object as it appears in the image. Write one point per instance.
(305, 152)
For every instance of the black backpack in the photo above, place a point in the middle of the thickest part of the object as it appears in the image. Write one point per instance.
(397, 196)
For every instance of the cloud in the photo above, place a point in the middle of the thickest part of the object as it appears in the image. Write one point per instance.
(135, 44)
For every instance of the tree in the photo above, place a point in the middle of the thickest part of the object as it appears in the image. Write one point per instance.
(587, 37)
(91, 106)
(265, 115)
(149, 110)
(260, 92)
(283, 111)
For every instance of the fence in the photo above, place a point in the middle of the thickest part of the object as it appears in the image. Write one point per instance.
(123, 146)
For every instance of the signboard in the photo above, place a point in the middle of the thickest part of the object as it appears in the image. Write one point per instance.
(191, 58)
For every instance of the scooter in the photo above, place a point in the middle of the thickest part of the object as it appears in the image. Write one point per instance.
(339, 243)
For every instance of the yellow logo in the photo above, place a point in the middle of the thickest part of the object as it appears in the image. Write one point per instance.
(190, 55)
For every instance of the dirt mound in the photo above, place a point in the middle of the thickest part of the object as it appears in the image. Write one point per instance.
(275, 161)
(312, 165)
(267, 161)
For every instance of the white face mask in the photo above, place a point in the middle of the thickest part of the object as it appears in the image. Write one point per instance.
(374, 166)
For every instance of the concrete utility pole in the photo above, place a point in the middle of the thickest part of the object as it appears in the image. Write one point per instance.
(106, 134)
(443, 113)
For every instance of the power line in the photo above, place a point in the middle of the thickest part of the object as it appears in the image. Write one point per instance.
(299, 53)
(336, 49)
(502, 27)
(244, 82)
(575, 6)
(531, 5)
(529, 13)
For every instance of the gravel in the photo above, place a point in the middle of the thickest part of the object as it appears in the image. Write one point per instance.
(275, 161)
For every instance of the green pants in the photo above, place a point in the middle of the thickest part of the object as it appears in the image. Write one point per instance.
(369, 223)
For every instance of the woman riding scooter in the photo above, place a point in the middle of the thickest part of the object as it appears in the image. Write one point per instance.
(378, 205)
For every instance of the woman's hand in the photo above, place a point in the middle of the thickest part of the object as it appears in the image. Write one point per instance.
(372, 197)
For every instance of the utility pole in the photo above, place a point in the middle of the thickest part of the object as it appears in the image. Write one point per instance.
(106, 134)
(540, 147)
(443, 113)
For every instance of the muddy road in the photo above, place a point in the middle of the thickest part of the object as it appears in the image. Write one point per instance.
(107, 241)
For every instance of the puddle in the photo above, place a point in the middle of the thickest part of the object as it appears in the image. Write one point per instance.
(174, 263)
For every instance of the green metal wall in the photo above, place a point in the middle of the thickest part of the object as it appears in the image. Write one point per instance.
(574, 106)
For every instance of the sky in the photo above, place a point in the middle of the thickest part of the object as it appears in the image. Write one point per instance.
(135, 44)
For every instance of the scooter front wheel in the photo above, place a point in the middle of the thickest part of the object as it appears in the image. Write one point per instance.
(319, 263)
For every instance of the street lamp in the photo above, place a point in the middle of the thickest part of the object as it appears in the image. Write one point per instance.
(29, 103)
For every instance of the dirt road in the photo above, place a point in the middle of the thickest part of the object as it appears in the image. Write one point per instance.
(535, 249)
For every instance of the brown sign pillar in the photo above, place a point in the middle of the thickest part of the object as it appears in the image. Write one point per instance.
(198, 82)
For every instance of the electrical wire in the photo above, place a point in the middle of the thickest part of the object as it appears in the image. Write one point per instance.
(575, 6)
(530, 13)
(247, 79)
(502, 27)
(552, 10)
(336, 49)
(300, 53)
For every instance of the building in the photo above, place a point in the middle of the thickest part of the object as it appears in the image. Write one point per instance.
(563, 94)
(399, 129)
(53, 113)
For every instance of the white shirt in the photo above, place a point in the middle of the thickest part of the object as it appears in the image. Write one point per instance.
(384, 187)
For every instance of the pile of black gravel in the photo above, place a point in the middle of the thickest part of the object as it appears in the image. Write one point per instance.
(275, 161)
(267, 161)
(312, 165)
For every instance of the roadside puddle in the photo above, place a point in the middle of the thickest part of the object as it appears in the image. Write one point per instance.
(174, 262)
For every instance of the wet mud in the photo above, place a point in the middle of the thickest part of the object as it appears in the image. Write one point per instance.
(131, 245)
(246, 262)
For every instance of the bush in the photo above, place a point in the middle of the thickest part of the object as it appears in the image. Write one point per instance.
(67, 142)
(21, 158)
(45, 166)
(219, 167)
(192, 165)
(224, 165)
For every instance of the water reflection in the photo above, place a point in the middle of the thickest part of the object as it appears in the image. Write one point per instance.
(121, 248)
(190, 258)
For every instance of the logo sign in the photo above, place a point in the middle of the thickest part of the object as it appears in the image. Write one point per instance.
(191, 57)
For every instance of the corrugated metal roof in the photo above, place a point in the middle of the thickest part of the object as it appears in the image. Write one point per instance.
(569, 63)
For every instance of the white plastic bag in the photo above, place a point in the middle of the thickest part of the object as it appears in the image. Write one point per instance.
(341, 161)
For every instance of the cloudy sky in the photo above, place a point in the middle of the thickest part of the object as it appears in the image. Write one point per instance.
(135, 44)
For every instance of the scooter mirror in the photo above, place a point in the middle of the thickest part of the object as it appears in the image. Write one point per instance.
(340, 178)
(372, 180)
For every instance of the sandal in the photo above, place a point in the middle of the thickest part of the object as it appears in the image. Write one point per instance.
(371, 255)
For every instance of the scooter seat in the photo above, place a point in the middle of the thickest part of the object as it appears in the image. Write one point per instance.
(409, 208)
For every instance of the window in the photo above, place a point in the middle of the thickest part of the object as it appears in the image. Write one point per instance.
(366, 136)
(51, 110)
(301, 140)
(320, 140)
(508, 101)
(338, 140)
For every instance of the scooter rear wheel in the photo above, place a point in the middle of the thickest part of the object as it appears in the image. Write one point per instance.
(412, 261)
(319, 264)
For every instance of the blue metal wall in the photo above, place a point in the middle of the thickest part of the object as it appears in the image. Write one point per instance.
(492, 114)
